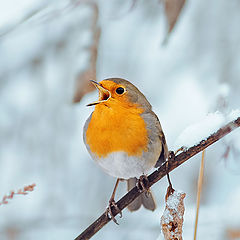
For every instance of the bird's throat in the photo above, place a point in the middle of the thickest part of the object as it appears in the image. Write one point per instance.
(117, 129)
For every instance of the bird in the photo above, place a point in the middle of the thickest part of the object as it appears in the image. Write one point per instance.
(125, 138)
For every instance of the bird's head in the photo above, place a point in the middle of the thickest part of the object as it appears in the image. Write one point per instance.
(118, 91)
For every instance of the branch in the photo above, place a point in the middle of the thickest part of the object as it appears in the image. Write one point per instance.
(173, 162)
(25, 191)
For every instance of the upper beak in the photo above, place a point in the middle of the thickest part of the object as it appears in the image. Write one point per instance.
(104, 94)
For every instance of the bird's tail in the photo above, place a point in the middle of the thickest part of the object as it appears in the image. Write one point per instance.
(146, 199)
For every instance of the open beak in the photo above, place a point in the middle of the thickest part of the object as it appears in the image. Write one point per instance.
(104, 94)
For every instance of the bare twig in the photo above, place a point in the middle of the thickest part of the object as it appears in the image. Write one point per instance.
(25, 191)
(173, 162)
(200, 181)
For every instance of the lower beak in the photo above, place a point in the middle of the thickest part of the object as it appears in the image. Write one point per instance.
(104, 94)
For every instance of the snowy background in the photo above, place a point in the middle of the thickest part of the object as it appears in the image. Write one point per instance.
(44, 45)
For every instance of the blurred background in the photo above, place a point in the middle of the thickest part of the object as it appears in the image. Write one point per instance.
(184, 56)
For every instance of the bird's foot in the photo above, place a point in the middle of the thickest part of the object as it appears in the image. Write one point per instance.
(143, 183)
(181, 149)
(109, 211)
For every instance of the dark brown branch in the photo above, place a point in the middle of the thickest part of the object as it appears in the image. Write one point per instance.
(173, 162)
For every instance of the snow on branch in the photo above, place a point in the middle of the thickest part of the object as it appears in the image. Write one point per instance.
(173, 162)
(172, 218)
(202, 129)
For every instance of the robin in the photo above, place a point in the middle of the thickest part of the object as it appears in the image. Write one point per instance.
(125, 138)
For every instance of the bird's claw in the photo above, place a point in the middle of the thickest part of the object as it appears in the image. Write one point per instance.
(143, 183)
(181, 149)
(109, 212)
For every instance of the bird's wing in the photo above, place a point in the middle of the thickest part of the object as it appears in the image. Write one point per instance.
(156, 134)
(164, 154)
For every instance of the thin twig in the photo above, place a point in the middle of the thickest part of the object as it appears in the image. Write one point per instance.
(200, 181)
(25, 191)
(173, 162)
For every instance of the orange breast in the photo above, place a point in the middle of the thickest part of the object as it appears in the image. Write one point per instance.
(117, 128)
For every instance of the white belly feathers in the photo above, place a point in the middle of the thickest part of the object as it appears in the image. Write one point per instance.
(120, 165)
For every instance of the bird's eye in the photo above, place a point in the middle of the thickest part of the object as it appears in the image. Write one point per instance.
(120, 90)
